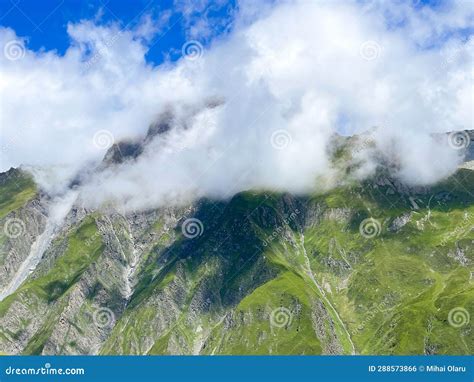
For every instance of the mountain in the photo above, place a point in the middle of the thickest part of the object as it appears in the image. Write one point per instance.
(368, 267)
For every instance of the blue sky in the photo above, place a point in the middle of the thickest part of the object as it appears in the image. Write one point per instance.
(44, 23)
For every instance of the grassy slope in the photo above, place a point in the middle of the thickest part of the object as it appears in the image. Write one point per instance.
(16, 189)
(52, 288)
(393, 292)
(256, 335)
(398, 293)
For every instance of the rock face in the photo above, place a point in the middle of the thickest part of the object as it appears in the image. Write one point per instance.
(23, 219)
(30, 222)
(122, 151)
(355, 270)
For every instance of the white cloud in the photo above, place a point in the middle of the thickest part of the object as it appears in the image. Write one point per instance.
(302, 69)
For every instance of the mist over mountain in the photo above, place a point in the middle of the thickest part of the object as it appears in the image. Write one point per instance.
(371, 266)
(254, 109)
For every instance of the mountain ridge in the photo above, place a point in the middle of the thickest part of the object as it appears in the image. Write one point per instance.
(369, 267)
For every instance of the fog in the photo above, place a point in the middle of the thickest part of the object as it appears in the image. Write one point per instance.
(254, 109)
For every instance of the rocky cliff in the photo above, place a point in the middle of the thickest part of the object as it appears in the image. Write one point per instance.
(371, 267)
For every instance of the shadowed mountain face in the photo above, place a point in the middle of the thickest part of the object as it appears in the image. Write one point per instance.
(119, 152)
(372, 267)
(128, 150)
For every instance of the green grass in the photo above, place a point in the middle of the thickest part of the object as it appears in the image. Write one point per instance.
(69, 267)
(392, 292)
(44, 294)
(16, 190)
(397, 295)
(253, 332)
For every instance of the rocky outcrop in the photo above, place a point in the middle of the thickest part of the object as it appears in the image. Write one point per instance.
(21, 229)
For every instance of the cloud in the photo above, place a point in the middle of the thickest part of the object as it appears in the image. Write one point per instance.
(287, 78)
(205, 19)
